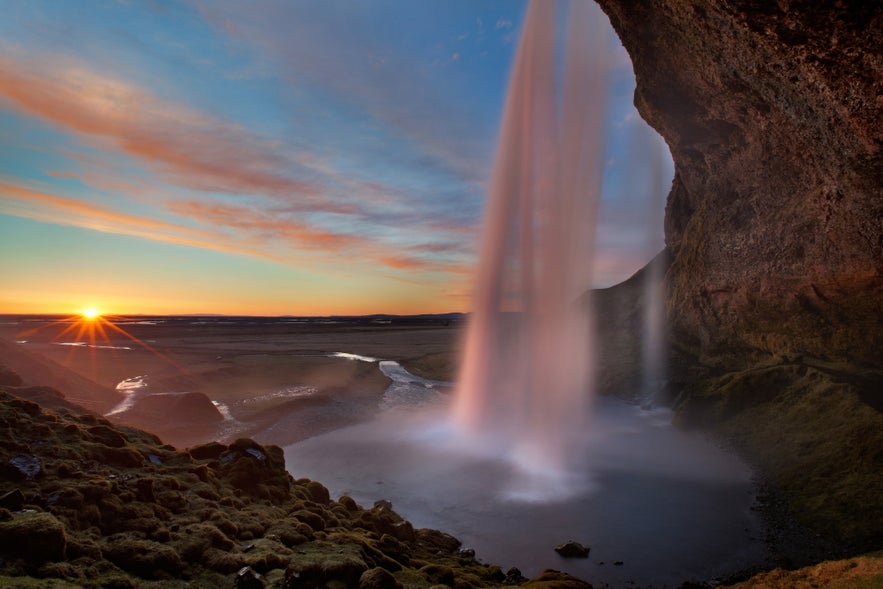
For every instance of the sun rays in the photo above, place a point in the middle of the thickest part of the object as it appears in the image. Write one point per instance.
(96, 331)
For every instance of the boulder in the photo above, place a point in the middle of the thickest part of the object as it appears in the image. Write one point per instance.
(572, 549)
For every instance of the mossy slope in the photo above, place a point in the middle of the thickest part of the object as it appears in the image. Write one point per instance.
(87, 503)
(815, 429)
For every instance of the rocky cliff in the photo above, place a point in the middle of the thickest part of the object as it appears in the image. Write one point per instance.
(772, 111)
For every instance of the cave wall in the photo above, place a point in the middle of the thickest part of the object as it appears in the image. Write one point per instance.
(772, 111)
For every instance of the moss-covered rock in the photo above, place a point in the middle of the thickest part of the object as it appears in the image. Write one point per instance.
(36, 537)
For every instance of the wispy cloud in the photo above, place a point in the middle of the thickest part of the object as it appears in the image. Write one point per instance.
(24, 202)
(187, 147)
(252, 233)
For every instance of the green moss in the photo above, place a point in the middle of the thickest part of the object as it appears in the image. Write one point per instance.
(36, 537)
(812, 430)
(31, 583)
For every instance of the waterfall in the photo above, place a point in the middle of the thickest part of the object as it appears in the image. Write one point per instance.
(525, 386)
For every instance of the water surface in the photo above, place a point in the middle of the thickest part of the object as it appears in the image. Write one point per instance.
(666, 504)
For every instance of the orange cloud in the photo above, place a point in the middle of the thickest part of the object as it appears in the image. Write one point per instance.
(187, 147)
(262, 226)
(266, 225)
(24, 202)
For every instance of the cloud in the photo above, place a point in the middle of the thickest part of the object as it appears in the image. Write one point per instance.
(24, 202)
(504, 23)
(262, 228)
(229, 229)
(186, 147)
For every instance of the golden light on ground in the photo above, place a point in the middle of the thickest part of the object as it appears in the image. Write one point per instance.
(91, 314)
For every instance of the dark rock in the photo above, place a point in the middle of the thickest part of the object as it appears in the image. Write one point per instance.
(774, 214)
(467, 553)
(12, 500)
(383, 504)
(22, 467)
(572, 549)
(514, 577)
(36, 537)
(248, 578)
(618, 563)
(378, 578)
(210, 451)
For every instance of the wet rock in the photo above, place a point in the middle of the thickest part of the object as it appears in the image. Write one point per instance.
(22, 467)
(378, 578)
(248, 578)
(12, 500)
(36, 537)
(572, 549)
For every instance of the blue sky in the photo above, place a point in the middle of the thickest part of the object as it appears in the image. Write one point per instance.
(271, 157)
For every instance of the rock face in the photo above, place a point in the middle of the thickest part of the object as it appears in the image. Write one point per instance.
(772, 113)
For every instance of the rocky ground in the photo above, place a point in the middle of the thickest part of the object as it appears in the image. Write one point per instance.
(87, 503)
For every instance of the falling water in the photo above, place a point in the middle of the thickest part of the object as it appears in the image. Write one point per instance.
(654, 337)
(527, 368)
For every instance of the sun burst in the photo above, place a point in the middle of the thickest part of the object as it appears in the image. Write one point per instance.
(91, 314)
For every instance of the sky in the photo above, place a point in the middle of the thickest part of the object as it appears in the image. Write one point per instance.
(272, 157)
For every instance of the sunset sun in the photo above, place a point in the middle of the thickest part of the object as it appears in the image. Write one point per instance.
(91, 314)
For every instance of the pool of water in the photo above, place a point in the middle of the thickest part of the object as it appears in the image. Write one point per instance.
(655, 504)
